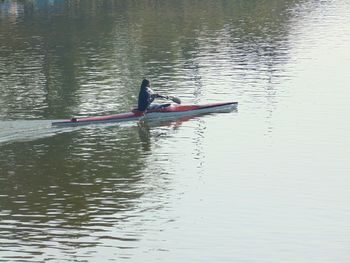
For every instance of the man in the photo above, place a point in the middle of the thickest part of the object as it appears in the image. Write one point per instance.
(147, 96)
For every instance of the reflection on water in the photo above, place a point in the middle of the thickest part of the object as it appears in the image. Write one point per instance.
(70, 59)
(73, 189)
(267, 182)
(77, 186)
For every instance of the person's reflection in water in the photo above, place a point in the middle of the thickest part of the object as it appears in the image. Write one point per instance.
(145, 127)
(144, 135)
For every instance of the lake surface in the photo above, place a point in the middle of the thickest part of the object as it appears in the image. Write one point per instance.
(266, 183)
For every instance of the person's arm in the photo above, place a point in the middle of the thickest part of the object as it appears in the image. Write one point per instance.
(155, 95)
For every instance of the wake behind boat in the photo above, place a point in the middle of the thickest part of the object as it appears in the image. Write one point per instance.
(172, 111)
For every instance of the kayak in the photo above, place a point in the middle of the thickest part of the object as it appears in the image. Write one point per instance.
(171, 111)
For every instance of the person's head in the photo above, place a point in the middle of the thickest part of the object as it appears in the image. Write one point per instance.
(146, 83)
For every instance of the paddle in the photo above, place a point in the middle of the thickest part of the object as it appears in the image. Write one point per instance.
(173, 98)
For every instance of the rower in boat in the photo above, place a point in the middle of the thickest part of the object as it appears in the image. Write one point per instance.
(146, 110)
(147, 96)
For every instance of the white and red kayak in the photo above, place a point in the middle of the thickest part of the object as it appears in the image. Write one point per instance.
(172, 111)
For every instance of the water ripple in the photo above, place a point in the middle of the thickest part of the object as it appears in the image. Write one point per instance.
(146, 191)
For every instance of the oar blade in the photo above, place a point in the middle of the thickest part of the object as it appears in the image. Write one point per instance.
(175, 99)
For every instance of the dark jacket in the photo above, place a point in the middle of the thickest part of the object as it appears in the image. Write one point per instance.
(146, 96)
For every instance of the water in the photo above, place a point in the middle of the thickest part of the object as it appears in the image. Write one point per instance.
(266, 183)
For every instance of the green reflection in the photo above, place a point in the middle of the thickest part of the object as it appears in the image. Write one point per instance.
(72, 58)
(73, 169)
(63, 58)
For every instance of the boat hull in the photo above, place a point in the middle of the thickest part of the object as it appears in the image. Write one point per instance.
(170, 112)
